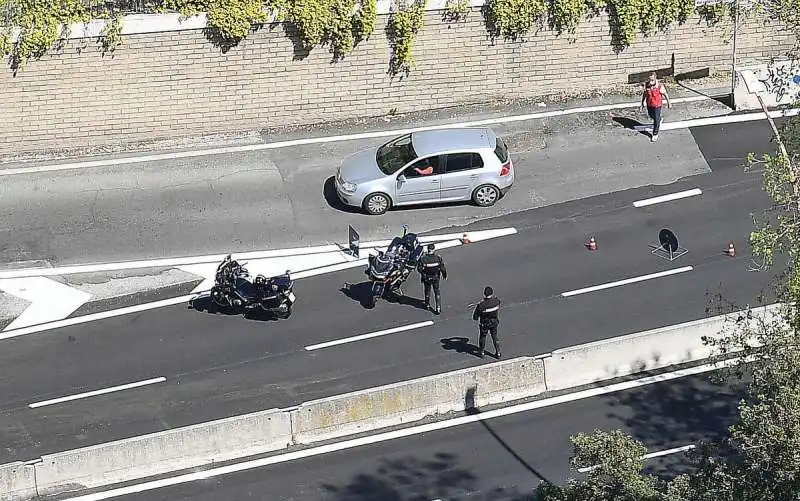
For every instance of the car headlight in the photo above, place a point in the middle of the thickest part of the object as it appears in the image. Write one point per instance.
(349, 187)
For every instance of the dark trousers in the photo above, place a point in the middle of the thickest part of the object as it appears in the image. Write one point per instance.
(432, 284)
(485, 329)
(655, 114)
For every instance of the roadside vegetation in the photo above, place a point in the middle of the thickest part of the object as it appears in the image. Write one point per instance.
(759, 459)
(340, 25)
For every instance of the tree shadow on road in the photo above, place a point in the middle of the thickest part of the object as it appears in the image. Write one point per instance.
(410, 478)
(678, 413)
(440, 477)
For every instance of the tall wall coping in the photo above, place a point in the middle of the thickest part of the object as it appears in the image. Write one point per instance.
(138, 24)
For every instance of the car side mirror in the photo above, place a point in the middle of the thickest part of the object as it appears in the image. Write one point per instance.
(401, 178)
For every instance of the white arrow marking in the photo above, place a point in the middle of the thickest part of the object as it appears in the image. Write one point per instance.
(50, 300)
(344, 262)
(309, 265)
(244, 256)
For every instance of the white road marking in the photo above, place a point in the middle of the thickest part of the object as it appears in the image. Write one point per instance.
(651, 455)
(396, 434)
(8, 333)
(49, 300)
(98, 392)
(627, 281)
(729, 119)
(369, 336)
(668, 198)
(322, 140)
(475, 236)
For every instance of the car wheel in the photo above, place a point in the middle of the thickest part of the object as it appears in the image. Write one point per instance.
(377, 204)
(486, 195)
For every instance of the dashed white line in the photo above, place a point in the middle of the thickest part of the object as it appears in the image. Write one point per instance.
(370, 335)
(652, 455)
(98, 392)
(668, 198)
(397, 434)
(627, 281)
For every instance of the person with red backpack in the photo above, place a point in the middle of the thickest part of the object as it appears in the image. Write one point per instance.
(654, 91)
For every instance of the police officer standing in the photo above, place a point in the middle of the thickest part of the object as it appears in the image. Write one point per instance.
(488, 318)
(431, 268)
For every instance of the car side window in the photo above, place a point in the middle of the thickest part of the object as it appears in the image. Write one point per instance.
(430, 166)
(458, 162)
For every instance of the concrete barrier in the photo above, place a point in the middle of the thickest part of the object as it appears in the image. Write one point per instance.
(17, 482)
(642, 351)
(413, 400)
(158, 453)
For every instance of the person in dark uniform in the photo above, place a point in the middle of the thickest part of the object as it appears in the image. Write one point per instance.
(431, 268)
(487, 314)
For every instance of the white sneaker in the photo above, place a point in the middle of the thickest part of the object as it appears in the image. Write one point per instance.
(653, 139)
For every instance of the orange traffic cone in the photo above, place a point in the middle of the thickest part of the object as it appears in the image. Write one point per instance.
(591, 244)
(731, 251)
(465, 239)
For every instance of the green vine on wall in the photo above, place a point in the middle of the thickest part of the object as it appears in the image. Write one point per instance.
(403, 24)
(342, 24)
(513, 19)
(41, 23)
(455, 10)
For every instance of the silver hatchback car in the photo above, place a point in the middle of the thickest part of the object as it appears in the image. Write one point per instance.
(436, 166)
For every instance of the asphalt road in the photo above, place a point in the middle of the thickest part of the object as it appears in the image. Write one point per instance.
(284, 197)
(500, 459)
(217, 366)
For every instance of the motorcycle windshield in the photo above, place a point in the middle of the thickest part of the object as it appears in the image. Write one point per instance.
(246, 289)
(381, 267)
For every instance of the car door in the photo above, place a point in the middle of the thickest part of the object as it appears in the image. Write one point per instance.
(420, 182)
(461, 175)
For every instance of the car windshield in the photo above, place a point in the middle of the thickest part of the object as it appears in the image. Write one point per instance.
(393, 155)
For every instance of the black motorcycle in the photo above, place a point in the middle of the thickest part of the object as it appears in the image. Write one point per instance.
(233, 289)
(389, 270)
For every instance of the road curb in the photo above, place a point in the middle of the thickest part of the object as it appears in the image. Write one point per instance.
(405, 403)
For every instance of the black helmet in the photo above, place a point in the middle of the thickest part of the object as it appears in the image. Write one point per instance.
(431, 247)
(487, 291)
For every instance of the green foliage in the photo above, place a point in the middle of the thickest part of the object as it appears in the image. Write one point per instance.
(404, 23)
(455, 10)
(566, 15)
(339, 23)
(617, 462)
(111, 36)
(646, 16)
(41, 23)
(232, 20)
(513, 19)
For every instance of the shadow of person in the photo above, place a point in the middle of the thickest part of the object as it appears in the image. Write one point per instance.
(459, 345)
(360, 292)
(630, 123)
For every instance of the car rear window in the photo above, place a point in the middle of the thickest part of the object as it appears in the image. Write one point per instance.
(501, 150)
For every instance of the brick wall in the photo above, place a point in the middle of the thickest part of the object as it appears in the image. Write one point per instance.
(176, 84)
